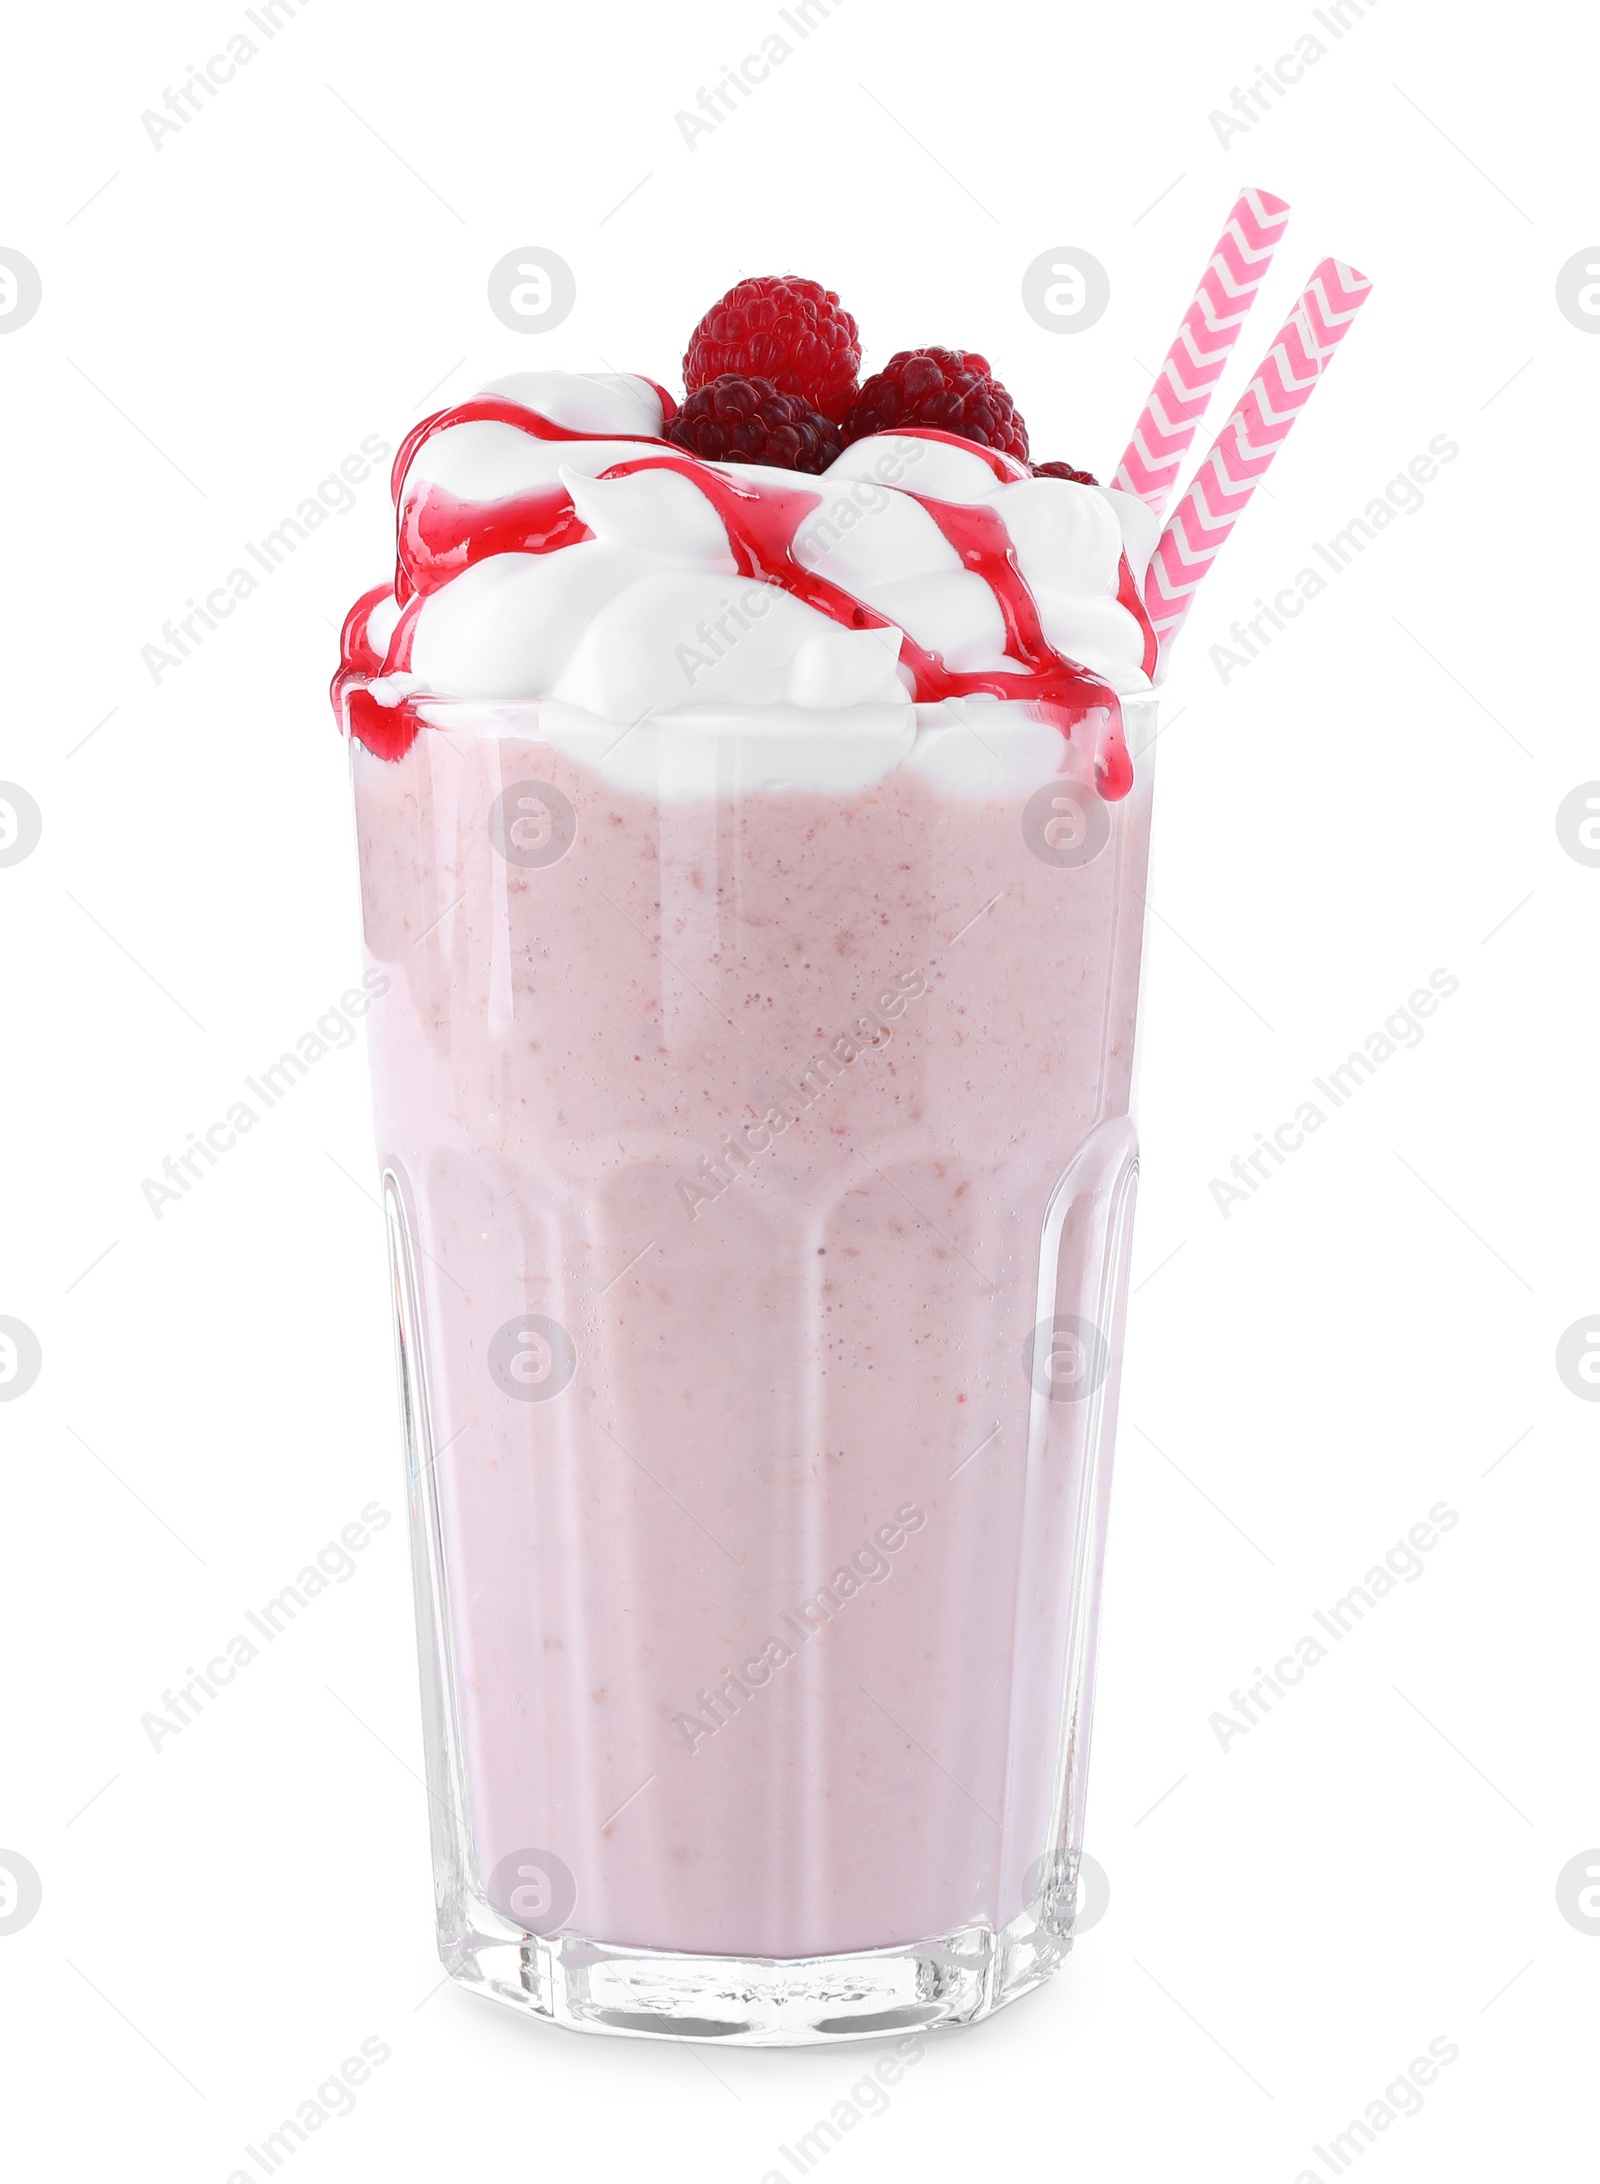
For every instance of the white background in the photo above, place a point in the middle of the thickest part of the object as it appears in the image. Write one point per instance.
(304, 264)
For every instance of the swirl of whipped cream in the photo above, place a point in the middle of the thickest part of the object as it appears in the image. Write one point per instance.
(553, 545)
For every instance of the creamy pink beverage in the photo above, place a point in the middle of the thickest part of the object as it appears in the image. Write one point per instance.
(761, 895)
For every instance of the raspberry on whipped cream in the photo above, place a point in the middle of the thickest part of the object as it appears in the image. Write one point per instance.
(950, 390)
(784, 328)
(747, 420)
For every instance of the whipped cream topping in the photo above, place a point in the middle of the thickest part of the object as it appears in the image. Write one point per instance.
(552, 545)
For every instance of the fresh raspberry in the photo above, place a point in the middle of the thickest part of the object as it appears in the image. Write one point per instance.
(952, 390)
(741, 420)
(1064, 470)
(777, 326)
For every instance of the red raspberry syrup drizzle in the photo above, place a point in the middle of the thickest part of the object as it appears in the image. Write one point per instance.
(439, 536)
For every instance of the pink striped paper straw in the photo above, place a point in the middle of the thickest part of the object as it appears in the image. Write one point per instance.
(1248, 441)
(1204, 342)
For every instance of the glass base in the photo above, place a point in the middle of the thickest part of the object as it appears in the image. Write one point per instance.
(596, 1986)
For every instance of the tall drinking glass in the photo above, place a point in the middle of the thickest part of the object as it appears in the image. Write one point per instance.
(759, 1177)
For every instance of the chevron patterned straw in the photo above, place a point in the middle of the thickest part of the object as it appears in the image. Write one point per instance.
(1248, 441)
(1204, 342)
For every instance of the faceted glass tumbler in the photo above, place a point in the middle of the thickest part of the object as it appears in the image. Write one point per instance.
(759, 1175)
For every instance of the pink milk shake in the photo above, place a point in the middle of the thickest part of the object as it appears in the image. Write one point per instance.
(757, 860)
